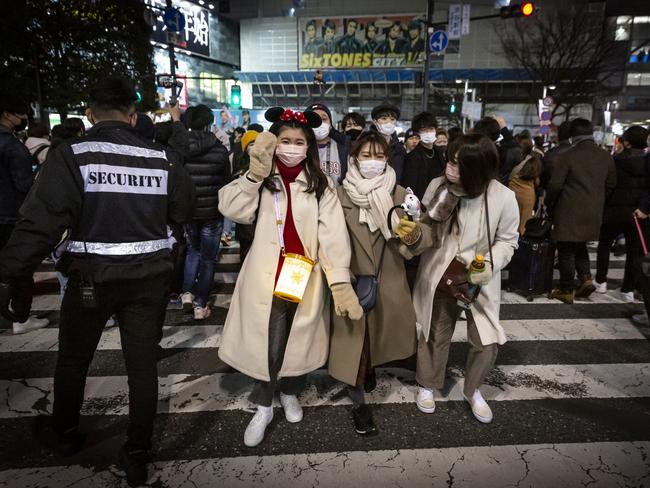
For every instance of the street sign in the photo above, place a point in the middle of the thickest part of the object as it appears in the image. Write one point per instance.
(174, 19)
(455, 21)
(548, 101)
(545, 130)
(438, 42)
(464, 30)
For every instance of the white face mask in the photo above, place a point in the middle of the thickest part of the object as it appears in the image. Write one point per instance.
(387, 129)
(428, 137)
(291, 154)
(371, 168)
(322, 131)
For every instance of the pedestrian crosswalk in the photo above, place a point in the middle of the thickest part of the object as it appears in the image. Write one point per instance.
(570, 396)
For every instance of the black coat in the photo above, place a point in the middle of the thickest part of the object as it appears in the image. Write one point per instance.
(509, 155)
(630, 183)
(420, 168)
(582, 178)
(208, 164)
(16, 176)
(549, 160)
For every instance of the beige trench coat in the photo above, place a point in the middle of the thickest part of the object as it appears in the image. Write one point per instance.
(391, 324)
(321, 227)
(504, 222)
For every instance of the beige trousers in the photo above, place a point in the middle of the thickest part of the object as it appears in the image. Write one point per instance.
(432, 355)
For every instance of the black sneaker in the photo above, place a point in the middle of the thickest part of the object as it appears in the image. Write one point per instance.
(66, 444)
(134, 464)
(363, 422)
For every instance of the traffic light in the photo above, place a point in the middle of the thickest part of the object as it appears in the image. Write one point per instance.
(524, 9)
(452, 107)
(235, 96)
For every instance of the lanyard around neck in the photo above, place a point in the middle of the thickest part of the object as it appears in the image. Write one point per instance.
(278, 221)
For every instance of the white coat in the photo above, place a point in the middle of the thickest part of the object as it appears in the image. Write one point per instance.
(323, 233)
(504, 222)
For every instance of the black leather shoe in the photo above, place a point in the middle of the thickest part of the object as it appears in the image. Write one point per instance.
(134, 464)
(363, 422)
(66, 444)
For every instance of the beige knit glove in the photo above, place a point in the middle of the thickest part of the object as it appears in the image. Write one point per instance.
(261, 156)
(346, 301)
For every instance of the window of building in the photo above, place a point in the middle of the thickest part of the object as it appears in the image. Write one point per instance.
(638, 79)
(623, 28)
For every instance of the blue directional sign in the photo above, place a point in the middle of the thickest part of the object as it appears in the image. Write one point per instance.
(174, 20)
(438, 41)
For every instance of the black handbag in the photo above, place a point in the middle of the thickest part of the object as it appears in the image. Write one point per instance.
(367, 286)
(539, 227)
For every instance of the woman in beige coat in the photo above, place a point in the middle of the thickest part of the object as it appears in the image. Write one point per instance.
(266, 337)
(387, 332)
(456, 207)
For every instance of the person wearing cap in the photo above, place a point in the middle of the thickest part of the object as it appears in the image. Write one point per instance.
(411, 140)
(384, 120)
(333, 146)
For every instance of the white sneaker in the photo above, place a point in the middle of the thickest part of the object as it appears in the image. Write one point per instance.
(254, 434)
(480, 408)
(292, 408)
(201, 313)
(425, 401)
(600, 287)
(32, 323)
(187, 302)
(628, 297)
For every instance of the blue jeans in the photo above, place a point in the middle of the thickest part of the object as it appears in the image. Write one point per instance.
(203, 238)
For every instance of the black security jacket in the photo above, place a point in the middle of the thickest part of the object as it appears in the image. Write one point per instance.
(113, 193)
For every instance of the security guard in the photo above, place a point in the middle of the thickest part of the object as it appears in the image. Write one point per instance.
(114, 193)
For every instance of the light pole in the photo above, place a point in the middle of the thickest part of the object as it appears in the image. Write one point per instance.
(427, 58)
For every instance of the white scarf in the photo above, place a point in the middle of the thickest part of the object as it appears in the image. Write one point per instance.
(373, 197)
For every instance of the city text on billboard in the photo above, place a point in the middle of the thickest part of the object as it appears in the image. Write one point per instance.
(195, 34)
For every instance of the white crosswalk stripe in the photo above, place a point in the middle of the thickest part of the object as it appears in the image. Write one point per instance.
(570, 392)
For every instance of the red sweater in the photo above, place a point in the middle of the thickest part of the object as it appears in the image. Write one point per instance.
(292, 242)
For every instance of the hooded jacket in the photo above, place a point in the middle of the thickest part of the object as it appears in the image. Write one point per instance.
(208, 164)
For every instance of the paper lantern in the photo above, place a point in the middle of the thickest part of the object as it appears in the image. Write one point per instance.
(294, 277)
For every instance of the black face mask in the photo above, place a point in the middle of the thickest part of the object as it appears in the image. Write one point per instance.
(354, 133)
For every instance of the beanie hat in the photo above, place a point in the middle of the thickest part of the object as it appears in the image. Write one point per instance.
(321, 106)
(248, 137)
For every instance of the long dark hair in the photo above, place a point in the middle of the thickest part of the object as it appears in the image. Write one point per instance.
(478, 162)
(316, 179)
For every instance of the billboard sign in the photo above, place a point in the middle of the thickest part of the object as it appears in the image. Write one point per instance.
(194, 35)
(361, 42)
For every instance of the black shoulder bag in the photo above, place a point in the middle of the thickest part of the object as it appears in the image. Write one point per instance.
(367, 286)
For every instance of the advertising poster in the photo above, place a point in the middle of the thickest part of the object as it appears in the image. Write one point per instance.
(361, 42)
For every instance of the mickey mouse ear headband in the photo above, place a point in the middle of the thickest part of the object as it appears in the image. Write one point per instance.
(308, 118)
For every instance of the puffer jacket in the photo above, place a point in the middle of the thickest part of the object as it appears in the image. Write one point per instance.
(630, 180)
(208, 164)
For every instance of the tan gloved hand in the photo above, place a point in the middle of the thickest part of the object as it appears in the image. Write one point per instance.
(346, 301)
(261, 156)
(408, 231)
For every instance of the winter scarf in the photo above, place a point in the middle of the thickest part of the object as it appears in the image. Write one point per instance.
(443, 205)
(373, 197)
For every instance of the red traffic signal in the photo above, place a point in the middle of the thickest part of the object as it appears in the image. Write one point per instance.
(525, 9)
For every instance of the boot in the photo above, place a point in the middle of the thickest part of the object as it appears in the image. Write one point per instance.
(562, 295)
(65, 444)
(134, 464)
(586, 287)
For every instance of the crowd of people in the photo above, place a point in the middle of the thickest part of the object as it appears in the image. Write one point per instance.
(340, 264)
